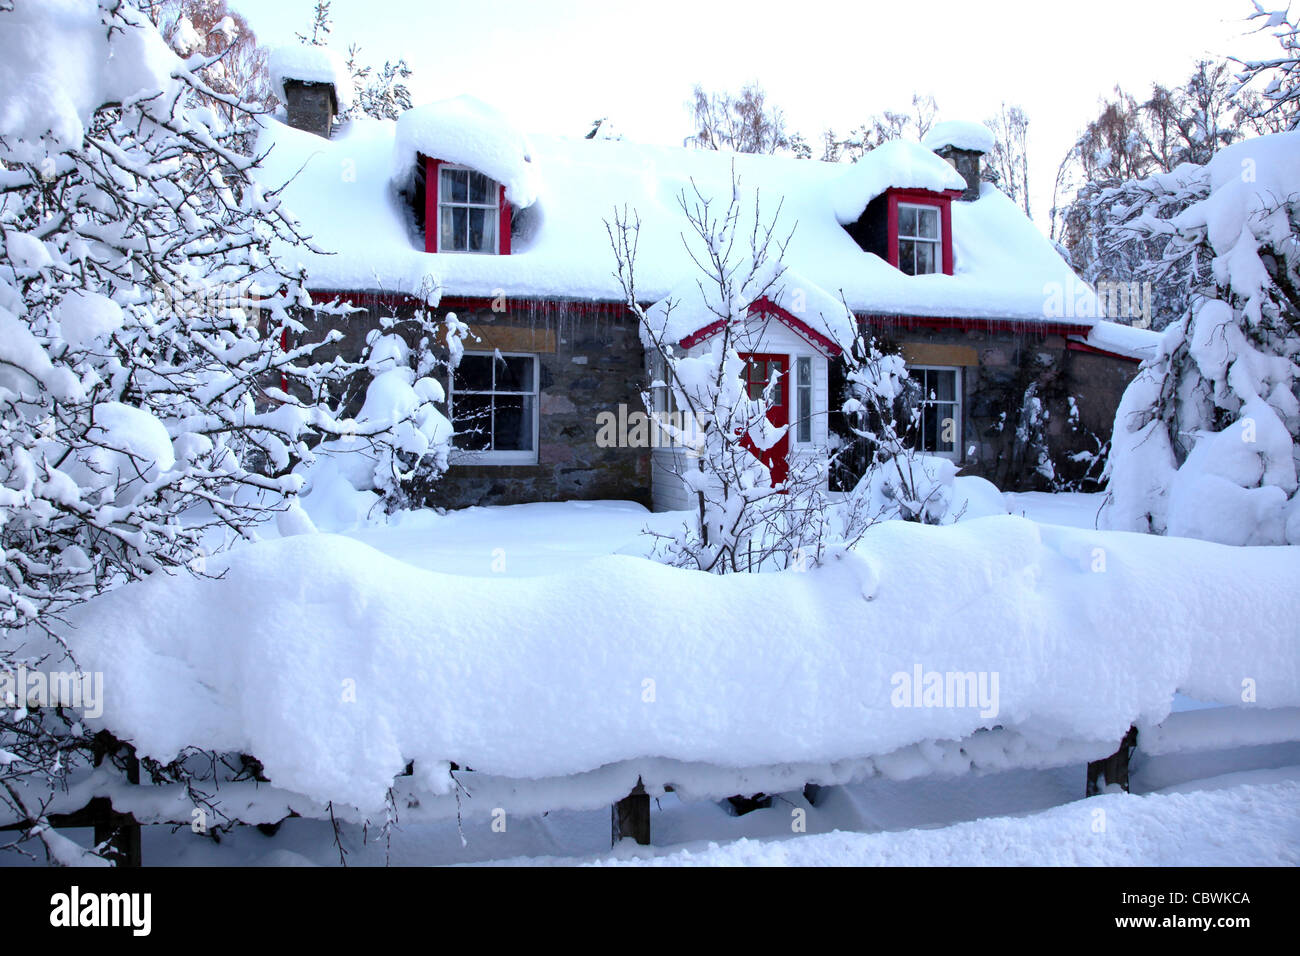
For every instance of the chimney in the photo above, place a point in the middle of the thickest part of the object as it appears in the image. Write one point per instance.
(961, 145)
(311, 106)
(966, 162)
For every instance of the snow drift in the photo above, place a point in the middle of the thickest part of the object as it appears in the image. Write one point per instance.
(336, 665)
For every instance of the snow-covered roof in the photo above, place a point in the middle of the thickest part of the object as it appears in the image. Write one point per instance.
(959, 134)
(693, 307)
(310, 64)
(468, 132)
(1004, 266)
(1127, 340)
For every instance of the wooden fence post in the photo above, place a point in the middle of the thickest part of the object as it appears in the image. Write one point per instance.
(1114, 768)
(119, 830)
(630, 817)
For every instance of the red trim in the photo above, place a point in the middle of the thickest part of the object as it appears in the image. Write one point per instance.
(974, 325)
(398, 299)
(946, 216)
(431, 203)
(765, 306)
(503, 227)
(921, 197)
(1074, 345)
(284, 347)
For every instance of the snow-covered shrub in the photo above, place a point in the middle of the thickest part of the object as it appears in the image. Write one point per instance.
(1207, 436)
(157, 385)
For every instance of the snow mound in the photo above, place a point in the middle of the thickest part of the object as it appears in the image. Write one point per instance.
(466, 131)
(893, 165)
(310, 64)
(335, 665)
(960, 134)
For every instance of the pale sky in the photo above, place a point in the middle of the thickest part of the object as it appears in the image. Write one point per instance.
(556, 65)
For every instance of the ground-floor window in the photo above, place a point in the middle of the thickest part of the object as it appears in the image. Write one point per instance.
(937, 430)
(493, 398)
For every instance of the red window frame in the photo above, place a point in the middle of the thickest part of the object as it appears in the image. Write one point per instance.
(432, 182)
(921, 197)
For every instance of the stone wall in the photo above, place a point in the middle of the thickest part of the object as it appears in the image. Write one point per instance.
(589, 360)
(999, 367)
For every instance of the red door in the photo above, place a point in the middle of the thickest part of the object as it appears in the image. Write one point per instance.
(759, 369)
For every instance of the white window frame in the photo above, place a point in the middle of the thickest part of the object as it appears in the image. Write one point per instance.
(957, 403)
(466, 456)
(802, 413)
(495, 206)
(936, 242)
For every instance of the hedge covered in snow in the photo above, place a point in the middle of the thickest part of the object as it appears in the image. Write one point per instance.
(336, 665)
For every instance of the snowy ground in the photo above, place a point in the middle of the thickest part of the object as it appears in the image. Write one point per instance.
(1230, 806)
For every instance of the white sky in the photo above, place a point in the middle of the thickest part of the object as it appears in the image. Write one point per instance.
(556, 65)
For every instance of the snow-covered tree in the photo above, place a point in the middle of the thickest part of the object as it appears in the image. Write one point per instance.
(157, 387)
(1207, 436)
(1278, 102)
(744, 519)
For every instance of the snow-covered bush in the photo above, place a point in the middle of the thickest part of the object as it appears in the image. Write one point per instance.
(1207, 436)
(157, 385)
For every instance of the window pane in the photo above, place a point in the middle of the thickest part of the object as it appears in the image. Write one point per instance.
(805, 371)
(482, 229)
(907, 220)
(943, 385)
(474, 374)
(472, 419)
(453, 185)
(514, 423)
(929, 223)
(929, 427)
(514, 373)
(925, 258)
(945, 437)
(907, 256)
(447, 241)
(480, 189)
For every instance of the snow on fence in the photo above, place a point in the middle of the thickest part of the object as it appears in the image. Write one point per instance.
(983, 646)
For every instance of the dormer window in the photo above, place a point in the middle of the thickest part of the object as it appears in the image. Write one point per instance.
(464, 210)
(920, 239)
(468, 211)
(911, 229)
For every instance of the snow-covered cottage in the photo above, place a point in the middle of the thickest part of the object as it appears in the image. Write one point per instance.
(450, 205)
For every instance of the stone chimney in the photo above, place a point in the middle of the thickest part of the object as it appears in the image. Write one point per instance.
(966, 162)
(963, 145)
(311, 106)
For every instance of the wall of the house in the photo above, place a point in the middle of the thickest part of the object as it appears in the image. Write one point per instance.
(589, 362)
(592, 362)
(998, 367)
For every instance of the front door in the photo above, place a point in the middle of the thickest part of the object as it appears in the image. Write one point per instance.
(759, 369)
